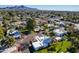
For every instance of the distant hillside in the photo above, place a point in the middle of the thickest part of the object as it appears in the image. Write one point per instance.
(18, 8)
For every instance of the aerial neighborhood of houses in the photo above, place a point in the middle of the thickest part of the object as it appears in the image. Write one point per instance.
(37, 31)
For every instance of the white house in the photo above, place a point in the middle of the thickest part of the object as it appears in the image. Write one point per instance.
(60, 32)
(77, 26)
(55, 18)
(58, 38)
(50, 25)
(41, 42)
(14, 33)
(38, 28)
(62, 24)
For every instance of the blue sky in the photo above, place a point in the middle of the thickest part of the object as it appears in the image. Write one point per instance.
(57, 7)
(54, 7)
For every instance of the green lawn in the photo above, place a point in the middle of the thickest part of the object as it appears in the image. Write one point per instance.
(42, 51)
(62, 46)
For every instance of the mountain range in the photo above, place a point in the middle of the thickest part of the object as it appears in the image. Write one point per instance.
(18, 8)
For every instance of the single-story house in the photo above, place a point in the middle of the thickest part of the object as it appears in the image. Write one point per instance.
(41, 42)
(38, 28)
(53, 19)
(77, 26)
(19, 23)
(57, 38)
(60, 32)
(40, 21)
(15, 33)
(62, 24)
(50, 25)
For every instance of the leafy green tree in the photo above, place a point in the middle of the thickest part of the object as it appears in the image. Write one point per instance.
(6, 17)
(62, 46)
(72, 50)
(10, 41)
(7, 41)
(12, 13)
(1, 32)
(30, 24)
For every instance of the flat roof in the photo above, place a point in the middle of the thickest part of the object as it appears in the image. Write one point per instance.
(60, 31)
(58, 38)
(36, 45)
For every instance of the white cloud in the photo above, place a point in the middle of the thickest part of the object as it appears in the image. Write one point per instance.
(39, 2)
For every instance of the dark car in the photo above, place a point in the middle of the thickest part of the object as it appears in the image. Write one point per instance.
(22, 47)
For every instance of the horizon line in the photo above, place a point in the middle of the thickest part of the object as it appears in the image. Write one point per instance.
(49, 7)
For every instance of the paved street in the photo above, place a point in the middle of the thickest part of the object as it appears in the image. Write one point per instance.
(24, 39)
